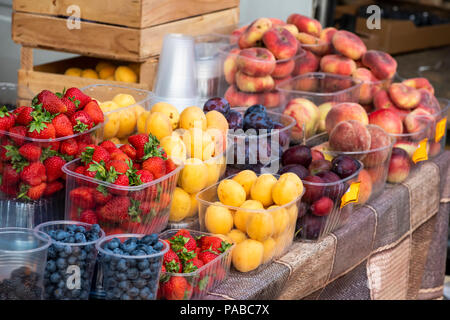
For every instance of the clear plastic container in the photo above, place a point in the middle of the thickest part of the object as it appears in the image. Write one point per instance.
(142, 272)
(23, 256)
(250, 150)
(437, 132)
(376, 165)
(122, 116)
(18, 211)
(275, 227)
(148, 204)
(242, 90)
(323, 91)
(204, 279)
(70, 266)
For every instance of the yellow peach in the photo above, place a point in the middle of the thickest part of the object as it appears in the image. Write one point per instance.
(246, 179)
(242, 216)
(158, 124)
(194, 175)
(288, 188)
(269, 249)
(260, 226)
(218, 219)
(236, 236)
(74, 72)
(193, 117)
(281, 219)
(181, 205)
(89, 73)
(247, 255)
(175, 148)
(261, 189)
(125, 74)
(169, 110)
(231, 193)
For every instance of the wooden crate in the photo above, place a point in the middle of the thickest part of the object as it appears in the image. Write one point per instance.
(51, 76)
(110, 41)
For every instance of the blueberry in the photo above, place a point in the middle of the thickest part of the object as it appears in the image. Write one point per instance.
(146, 274)
(76, 293)
(118, 251)
(58, 293)
(80, 238)
(52, 234)
(125, 297)
(129, 247)
(61, 284)
(80, 229)
(150, 239)
(131, 263)
(71, 228)
(51, 252)
(122, 265)
(158, 246)
(123, 285)
(51, 266)
(111, 283)
(55, 277)
(113, 244)
(61, 263)
(72, 260)
(145, 293)
(84, 295)
(91, 256)
(61, 235)
(76, 251)
(82, 255)
(59, 247)
(131, 240)
(140, 283)
(133, 292)
(95, 228)
(89, 248)
(121, 276)
(132, 273)
(138, 253)
(116, 293)
(142, 265)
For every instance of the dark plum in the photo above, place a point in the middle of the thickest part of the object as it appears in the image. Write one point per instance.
(256, 108)
(283, 135)
(218, 104)
(318, 166)
(311, 226)
(322, 207)
(235, 120)
(302, 209)
(313, 191)
(298, 169)
(257, 121)
(334, 191)
(299, 154)
(344, 166)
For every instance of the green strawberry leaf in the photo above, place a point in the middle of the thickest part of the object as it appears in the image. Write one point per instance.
(47, 153)
(80, 127)
(86, 155)
(37, 126)
(134, 211)
(76, 102)
(61, 94)
(185, 255)
(152, 148)
(23, 192)
(102, 189)
(4, 112)
(189, 267)
(13, 153)
(224, 246)
(172, 266)
(158, 195)
(203, 283)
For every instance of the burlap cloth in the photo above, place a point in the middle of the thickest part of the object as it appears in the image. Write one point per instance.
(392, 248)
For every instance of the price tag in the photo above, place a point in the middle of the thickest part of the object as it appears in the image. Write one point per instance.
(421, 153)
(351, 195)
(440, 129)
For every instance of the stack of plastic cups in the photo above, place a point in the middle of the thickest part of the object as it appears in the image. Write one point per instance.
(176, 79)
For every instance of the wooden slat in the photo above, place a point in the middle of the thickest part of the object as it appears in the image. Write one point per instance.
(117, 43)
(26, 58)
(130, 13)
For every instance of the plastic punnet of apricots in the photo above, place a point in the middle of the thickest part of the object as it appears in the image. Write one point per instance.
(257, 212)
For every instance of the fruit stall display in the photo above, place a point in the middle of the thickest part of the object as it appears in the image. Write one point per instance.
(257, 212)
(194, 264)
(36, 142)
(126, 189)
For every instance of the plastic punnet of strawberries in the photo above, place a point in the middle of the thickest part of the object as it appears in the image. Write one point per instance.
(37, 140)
(112, 186)
(192, 266)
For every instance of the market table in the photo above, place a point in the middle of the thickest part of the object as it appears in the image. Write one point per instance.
(393, 248)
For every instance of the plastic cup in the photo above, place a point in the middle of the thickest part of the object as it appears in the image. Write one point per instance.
(70, 266)
(23, 254)
(125, 275)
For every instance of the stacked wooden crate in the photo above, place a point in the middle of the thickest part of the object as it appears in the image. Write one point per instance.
(119, 30)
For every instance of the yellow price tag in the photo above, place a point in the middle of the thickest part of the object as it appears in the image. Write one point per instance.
(351, 195)
(421, 153)
(440, 129)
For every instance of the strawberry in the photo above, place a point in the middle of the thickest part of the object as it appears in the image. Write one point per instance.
(36, 192)
(94, 111)
(82, 197)
(170, 166)
(69, 147)
(192, 265)
(100, 154)
(171, 262)
(213, 243)
(100, 197)
(81, 121)
(71, 107)
(30, 151)
(46, 132)
(137, 166)
(207, 256)
(119, 165)
(16, 133)
(108, 145)
(184, 233)
(176, 288)
(76, 94)
(81, 147)
(18, 110)
(121, 181)
(156, 166)
(50, 102)
(7, 119)
(24, 116)
(183, 246)
(129, 151)
(63, 126)
(53, 166)
(145, 208)
(53, 187)
(33, 174)
(54, 145)
(138, 140)
(115, 210)
(145, 176)
(9, 190)
(119, 155)
(79, 170)
(89, 216)
(85, 138)
(10, 176)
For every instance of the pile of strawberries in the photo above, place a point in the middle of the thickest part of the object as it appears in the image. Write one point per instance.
(33, 143)
(186, 255)
(110, 202)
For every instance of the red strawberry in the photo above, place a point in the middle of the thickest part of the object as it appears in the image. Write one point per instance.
(138, 140)
(82, 197)
(79, 169)
(81, 146)
(119, 165)
(69, 147)
(71, 107)
(184, 233)
(171, 262)
(213, 243)
(94, 111)
(24, 116)
(176, 288)
(145, 176)
(108, 145)
(89, 216)
(18, 131)
(100, 198)
(63, 126)
(77, 94)
(170, 166)
(30, 151)
(54, 145)
(179, 242)
(119, 155)
(53, 166)
(9, 190)
(85, 138)
(121, 181)
(140, 153)
(156, 166)
(33, 174)
(7, 119)
(145, 208)
(137, 166)
(192, 265)
(10, 176)
(18, 110)
(207, 256)
(36, 192)
(100, 154)
(129, 151)
(51, 102)
(53, 187)
(115, 210)
(81, 121)
(48, 132)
